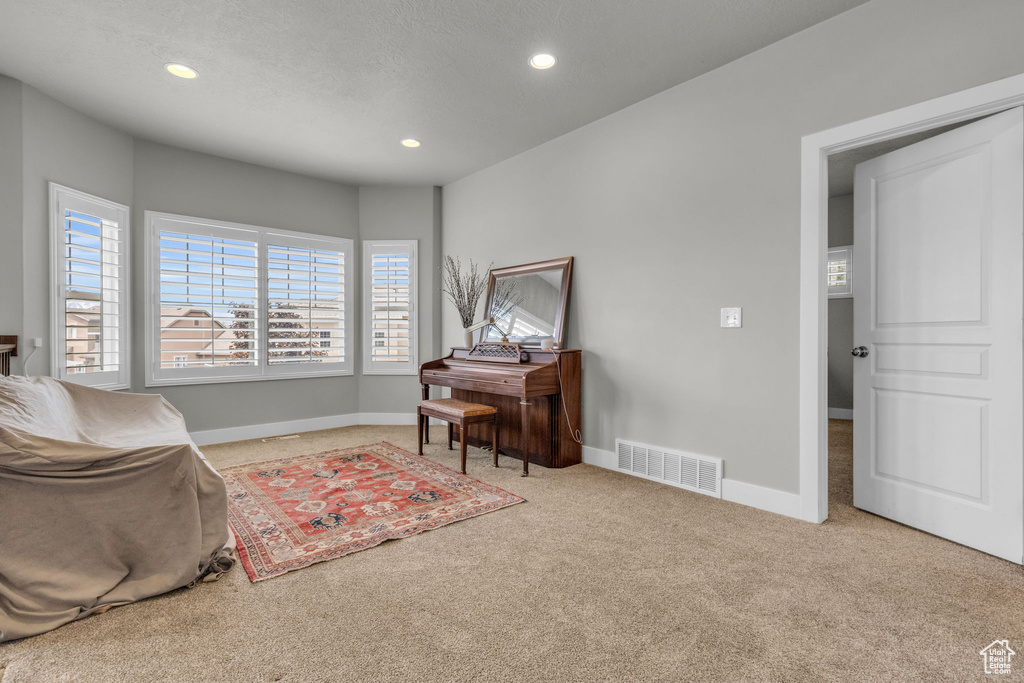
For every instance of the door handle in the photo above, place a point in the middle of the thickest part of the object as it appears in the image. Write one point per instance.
(860, 352)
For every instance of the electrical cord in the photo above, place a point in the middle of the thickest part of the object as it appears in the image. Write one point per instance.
(575, 433)
(24, 365)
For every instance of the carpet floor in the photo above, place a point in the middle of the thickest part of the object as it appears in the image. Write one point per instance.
(601, 577)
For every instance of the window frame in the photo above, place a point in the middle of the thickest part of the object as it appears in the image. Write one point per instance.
(286, 238)
(846, 290)
(157, 221)
(61, 198)
(410, 367)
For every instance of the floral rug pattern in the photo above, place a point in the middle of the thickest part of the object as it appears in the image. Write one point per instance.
(288, 514)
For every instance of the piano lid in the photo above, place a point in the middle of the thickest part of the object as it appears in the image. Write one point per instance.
(535, 373)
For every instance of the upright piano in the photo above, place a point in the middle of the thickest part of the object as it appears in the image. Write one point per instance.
(536, 392)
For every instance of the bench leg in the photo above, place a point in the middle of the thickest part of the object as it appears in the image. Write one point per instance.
(419, 431)
(494, 439)
(462, 445)
(450, 429)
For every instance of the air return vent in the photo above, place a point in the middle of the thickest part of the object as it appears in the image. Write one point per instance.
(693, 472)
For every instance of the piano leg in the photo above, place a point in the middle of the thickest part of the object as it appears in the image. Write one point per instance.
(524, 412)
(450, 428)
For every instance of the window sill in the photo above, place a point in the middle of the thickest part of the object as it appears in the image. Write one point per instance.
(109, 386)
(185, 381)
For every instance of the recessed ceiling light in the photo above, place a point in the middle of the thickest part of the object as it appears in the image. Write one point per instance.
(410, 142)
(542, 61)
(181, 71)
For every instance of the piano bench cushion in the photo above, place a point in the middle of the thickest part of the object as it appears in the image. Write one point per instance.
(453, 407)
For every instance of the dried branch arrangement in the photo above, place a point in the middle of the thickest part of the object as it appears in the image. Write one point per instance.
(464, 289)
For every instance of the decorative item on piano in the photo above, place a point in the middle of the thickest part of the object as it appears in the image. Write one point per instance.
(528, 303)
(463, 289)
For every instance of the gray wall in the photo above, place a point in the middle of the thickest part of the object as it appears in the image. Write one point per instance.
(840, 311)
(12, 300)
(396, 213)
(179, 181)
(61, 145)
(690, 201)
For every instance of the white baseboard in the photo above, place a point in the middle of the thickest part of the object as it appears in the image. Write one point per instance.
(600, 458)
(260, 431)
(840, 414)
(386, 418)
(771, 500)
(761, 497)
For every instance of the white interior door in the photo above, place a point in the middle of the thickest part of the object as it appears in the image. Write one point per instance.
(937, 308)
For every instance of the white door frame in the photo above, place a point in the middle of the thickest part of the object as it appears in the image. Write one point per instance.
(962, 106)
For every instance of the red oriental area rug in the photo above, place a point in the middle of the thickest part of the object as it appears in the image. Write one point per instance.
(289, 514)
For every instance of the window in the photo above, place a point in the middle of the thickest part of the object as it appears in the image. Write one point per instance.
(306, 304)
(233, 302)
(89, 317)
(840, 272)
(389, 307)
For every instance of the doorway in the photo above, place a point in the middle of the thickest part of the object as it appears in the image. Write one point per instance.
(924, 120)
(842, 282)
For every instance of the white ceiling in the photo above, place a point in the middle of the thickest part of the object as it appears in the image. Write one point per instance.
(329, 87)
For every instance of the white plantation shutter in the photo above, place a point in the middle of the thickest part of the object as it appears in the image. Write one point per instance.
(89, 339)
(390, 307)
(208, 301)
(235, 302)
(840, 272)
(305, 305)
(389, 285)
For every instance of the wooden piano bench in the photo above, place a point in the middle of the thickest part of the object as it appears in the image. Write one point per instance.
(461, 413)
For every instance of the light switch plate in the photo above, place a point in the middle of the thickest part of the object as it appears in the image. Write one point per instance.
(732, 317)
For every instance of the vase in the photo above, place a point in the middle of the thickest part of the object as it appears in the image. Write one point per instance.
(468, 340)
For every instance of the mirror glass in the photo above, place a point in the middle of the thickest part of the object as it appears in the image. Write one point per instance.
(528, 302)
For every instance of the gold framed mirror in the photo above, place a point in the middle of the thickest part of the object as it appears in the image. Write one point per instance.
(529, 303)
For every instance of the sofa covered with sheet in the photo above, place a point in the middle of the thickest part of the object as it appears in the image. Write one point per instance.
(104, 500)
